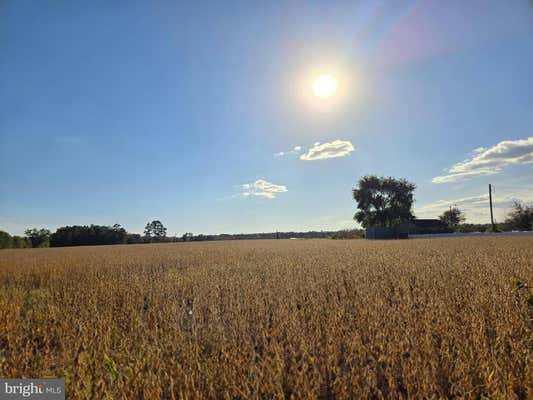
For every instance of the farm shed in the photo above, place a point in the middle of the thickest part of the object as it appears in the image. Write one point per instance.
(386, 232)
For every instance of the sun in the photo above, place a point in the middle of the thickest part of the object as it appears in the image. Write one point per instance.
(325, 86)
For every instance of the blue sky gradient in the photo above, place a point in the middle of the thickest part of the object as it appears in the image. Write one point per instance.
(124, 112)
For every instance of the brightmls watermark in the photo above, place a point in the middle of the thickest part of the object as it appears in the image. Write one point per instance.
(41, 389)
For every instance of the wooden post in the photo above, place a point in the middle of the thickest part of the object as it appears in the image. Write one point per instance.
(490, 202)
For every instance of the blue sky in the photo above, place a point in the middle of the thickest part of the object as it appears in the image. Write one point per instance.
(124, 112)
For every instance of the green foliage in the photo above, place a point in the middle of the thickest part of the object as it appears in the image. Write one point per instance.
(88, 235)
(155, 231)
(13, 242)
(20, 242)
(520, 217)
(348, 234)
(6, 241)
(383, 201)
(452, 217)
(133, 238)
(38, 237)
(111, 366)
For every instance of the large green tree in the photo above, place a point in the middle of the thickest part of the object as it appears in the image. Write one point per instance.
(383, 201)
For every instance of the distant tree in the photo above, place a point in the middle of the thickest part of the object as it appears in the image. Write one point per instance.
(38, 237)
(6, 241)
(520, 217)
(155, 231)
(383, 201)
(159, 231)
(348, 234)
(20, 242)
(187, 237)
(452, 217)
(119, 234)
(133, 238)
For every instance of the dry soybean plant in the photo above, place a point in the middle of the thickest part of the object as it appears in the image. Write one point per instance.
(435, 319)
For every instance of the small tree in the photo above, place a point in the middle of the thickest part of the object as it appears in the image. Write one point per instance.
(187, 237)
(383, 201)
(452, 217)
(520, 217)
(159, 231)
(38, 237)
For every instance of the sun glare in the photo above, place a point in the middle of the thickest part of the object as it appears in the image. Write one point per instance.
(325, 86)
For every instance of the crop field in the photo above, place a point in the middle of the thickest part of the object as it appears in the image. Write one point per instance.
(429, 318)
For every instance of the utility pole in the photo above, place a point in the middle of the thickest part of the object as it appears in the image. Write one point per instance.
(490, 202)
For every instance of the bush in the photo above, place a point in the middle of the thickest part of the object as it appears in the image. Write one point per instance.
(349, 234)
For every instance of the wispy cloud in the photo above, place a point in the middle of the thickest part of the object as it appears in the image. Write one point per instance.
(321, 151)
(295, 150)
(490, 161)
(461, 176)
(262, 188)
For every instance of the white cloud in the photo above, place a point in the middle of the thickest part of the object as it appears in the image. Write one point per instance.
(337, 148)
(262, 188)
(461, 176)
(490, 161)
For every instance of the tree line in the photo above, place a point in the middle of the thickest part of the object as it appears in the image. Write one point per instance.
(84, 235)
(154, 232)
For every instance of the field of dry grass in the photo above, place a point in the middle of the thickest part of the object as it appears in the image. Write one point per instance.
(324, 319)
